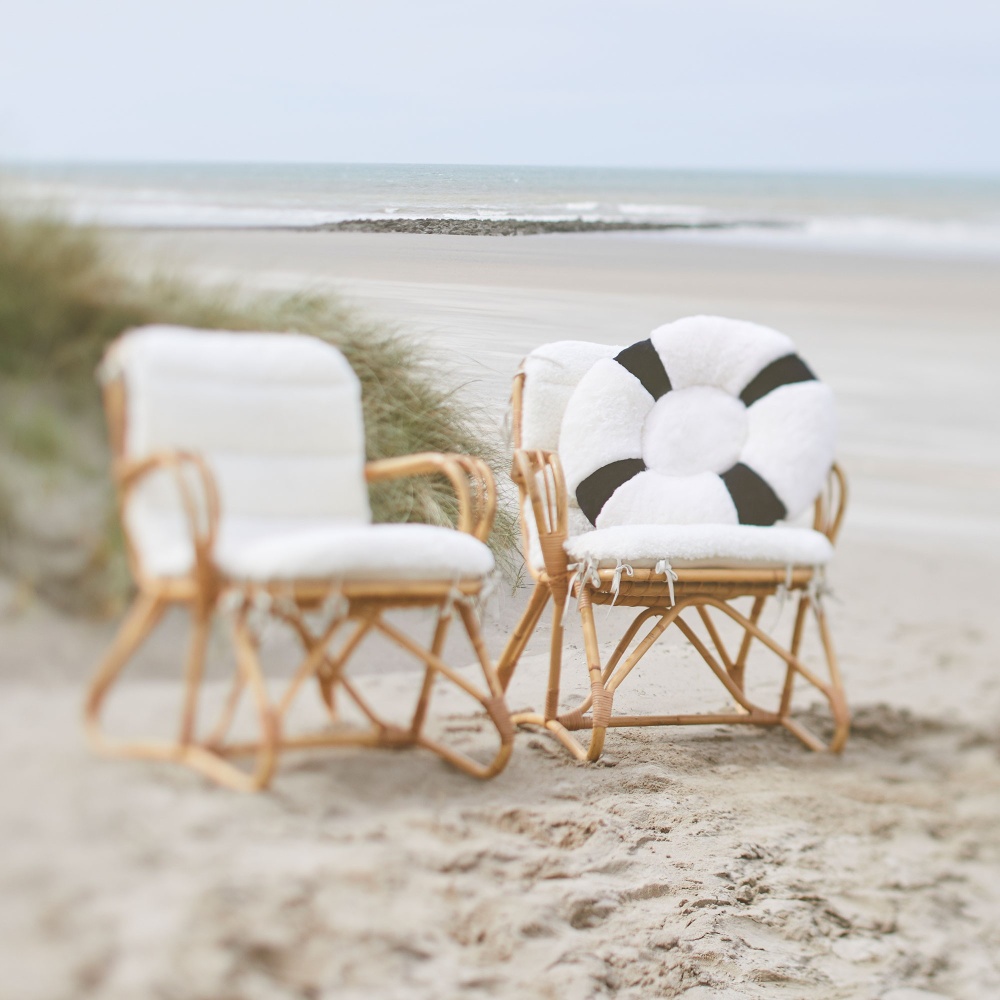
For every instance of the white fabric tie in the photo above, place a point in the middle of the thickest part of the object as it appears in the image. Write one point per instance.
(616, 580)
(663, 566)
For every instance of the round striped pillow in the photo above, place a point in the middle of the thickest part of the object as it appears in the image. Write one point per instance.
(709, 421)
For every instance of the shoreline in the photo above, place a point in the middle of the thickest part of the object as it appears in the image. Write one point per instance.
(526, 227)
(427, 226)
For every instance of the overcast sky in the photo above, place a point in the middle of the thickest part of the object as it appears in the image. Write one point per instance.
(791, 84)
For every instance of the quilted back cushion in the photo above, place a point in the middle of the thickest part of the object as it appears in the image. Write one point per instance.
(552, 372)
(276, 416)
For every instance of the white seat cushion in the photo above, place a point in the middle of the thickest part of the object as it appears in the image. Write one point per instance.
(701, 545)
(251, 549)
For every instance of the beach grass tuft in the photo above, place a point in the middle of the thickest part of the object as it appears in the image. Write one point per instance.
(62, 300)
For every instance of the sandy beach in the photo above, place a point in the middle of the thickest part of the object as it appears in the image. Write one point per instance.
(707, 862)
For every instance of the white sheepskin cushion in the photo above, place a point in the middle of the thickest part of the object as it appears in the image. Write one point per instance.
(700, 545)
(263, 549)
(709, 421)
(552, 372)
(277, 418)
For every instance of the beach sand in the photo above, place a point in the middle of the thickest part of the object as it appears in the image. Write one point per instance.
(706, 862)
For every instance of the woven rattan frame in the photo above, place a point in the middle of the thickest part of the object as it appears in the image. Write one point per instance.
(709, 593)
(205, 592)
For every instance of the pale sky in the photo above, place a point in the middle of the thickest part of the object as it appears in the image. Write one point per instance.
(739, 84)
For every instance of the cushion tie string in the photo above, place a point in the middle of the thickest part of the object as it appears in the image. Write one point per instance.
(284, 601)
(256, 602)
(333, 609)
(231, 600)
(454, 597)
(663, 566)
(574, 577)
(819, 588)
(481, 601)
(781, 594)
(616, 580)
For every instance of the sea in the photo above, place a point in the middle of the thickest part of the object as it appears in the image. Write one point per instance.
(954, 216)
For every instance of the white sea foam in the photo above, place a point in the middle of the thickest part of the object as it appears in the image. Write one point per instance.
(893, 215)
(667, 213)
(883, 235)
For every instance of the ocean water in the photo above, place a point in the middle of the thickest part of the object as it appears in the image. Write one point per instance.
(899, 214)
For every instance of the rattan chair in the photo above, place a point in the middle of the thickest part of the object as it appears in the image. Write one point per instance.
(241, 475)
(694, 596)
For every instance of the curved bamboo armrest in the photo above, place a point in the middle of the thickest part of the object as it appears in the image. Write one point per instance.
(470, 478)
(831, 505)
(199, 496)
(541, 484)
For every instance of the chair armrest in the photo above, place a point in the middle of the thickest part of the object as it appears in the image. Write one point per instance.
(471, 479)
(542, 487)
(831, 505)
(198, 493)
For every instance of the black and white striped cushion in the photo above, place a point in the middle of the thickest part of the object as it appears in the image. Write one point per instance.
(710, 420)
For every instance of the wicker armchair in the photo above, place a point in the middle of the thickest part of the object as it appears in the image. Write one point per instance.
(694, 595)
(239, 464)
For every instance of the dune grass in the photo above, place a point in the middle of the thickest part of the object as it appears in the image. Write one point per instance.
(62, 300)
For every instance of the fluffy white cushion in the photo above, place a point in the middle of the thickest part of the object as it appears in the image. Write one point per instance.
(262, 549)
(717, 351)
(698, 430)
(552, 372)
(701, 545)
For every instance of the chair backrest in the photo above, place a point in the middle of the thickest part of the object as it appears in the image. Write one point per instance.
(552, 372)
(276, 417)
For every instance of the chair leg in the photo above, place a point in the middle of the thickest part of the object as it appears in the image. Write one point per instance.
(142, 618)
(739, 666)
(549, 718)
(495, 705)
(193, 672)
(832, 691)
(492, 700)
(519, 638)
(205, 758)
(427, 688)
(838, 697)
(602, 698)
(729, 671)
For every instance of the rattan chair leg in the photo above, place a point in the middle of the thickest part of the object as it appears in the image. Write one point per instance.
(555, 661)
(739, 666)
(193, 671)
(602, 699)
(142, 618)
(208, 760)
(268, 719)
(730, 673)
(626, 640)
(833, 691)
(522, 633)
(492, 700)
(838, 699)
(427, 688)
(218, 733)
(789, 686)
